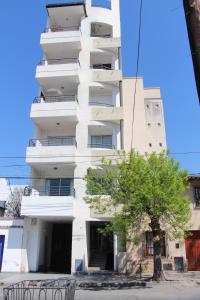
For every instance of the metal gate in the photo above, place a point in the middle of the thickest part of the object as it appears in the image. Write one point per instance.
(60, 289)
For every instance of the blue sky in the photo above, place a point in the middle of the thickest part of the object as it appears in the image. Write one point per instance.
(165, 62)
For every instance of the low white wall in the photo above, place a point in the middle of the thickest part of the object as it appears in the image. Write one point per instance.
(12, 229)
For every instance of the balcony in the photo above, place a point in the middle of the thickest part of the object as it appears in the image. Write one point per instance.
(101, 146)
(58, 73)
(52, 202)
(65, 15)
(101, 142)
(104, 67)
(101, 30)
(47, 107)
(51, 150)
(114, 114)
(61, 41)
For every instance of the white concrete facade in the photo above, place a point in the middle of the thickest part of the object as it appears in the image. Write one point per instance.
(83, 112)
(12, 231)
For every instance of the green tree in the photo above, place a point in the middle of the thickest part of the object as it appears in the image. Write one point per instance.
(142, 191)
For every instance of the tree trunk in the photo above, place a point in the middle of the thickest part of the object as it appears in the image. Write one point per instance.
(157, 272)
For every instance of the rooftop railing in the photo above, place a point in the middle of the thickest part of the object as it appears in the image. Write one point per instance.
(51, 191)
(58, 61)
(60, 28)
(51, 99)
(54, 141)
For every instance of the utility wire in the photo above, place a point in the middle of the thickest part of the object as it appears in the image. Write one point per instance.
(40, 178)
(137, 67)
(81, 156)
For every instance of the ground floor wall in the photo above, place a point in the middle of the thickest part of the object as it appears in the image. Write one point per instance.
(180, 255)
(31, 245)
(41, 250)
(11, 239)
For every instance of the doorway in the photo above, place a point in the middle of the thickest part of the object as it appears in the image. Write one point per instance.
(101, 247)
(192, 245)
(2, 239)
(61, 248)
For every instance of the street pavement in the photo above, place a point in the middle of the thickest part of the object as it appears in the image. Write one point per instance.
(159, 292)
(179, 286)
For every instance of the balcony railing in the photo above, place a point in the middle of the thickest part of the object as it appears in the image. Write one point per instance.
(55, 141)
(93, 103)
(59, 61)
(52, 191)
(60, 28)
(101, 35)
(50, 99)
(100, 146)
(102, 67)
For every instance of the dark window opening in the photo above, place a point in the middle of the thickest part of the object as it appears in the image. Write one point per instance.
(197, 196)
(149, 244)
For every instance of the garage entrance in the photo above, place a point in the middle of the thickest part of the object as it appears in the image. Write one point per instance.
(61, 248)
(192, 245)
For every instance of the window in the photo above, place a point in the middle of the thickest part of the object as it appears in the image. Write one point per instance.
(59, 187)
(160, 144)
(101, 141)
(150, 144)
(149, 243)
(197, 196)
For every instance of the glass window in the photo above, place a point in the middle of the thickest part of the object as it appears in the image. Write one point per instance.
(96, 140)
(197, 196)
(107, 140)
(101, 141)
(149, 244)
(59, 187)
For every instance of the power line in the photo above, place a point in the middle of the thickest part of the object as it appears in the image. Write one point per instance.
(41, 178)
(80, 156)
(137, 67)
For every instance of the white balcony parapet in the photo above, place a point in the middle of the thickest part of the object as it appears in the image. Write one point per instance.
(47, 206)
(53, 150)
(65, 67)
(45, 108)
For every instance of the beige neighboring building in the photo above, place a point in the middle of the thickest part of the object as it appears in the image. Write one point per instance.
(178, 255)
(149, 125)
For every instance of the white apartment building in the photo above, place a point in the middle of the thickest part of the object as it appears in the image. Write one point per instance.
(83, 112)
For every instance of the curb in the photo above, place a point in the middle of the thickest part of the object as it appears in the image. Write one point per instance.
(109, 285)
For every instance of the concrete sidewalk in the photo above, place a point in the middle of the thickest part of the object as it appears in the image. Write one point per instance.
(179, 277)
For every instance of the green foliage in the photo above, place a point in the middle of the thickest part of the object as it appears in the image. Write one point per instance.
(141, 189)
